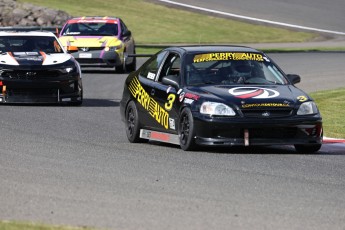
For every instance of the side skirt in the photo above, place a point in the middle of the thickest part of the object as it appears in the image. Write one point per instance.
(159, 136)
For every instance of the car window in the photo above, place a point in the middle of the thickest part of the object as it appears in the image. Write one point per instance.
(171, 66)
(123, 27)
(231, 68)
(91, 28)
(46, 44)
(150, 69)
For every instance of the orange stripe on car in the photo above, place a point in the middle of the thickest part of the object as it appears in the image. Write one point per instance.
(11, 54)
(43, 55)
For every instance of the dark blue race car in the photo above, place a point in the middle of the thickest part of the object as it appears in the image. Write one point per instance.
(218, 96)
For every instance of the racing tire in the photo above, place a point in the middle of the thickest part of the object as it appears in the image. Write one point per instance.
(311, 148)
(186, 131)
(133, 65)
(133, 124)
(119, 69)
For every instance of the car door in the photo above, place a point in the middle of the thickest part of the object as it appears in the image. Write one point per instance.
(166, 95)
(141, 87)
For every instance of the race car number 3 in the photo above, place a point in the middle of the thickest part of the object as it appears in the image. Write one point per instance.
(168, 105)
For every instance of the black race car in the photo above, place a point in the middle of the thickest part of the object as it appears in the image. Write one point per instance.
(218, 96)
(35, 68)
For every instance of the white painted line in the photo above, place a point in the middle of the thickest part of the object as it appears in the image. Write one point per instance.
(253, 19)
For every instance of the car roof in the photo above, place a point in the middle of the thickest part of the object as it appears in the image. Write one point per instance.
(215, 48)
(27, 33)
(94, 18)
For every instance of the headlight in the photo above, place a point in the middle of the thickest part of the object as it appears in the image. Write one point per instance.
(214, 108)
(307, 108)
(69, 70)
(112, 48)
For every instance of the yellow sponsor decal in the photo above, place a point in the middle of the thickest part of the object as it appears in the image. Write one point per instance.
(228, 56)
(155, 110)
(302, 98)
(168, 105)
(246, 106)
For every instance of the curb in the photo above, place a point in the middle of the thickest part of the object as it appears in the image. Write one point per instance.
(328, 140)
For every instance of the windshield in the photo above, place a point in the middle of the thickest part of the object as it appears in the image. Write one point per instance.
(29, 44)
(90, 28)
(231, 68)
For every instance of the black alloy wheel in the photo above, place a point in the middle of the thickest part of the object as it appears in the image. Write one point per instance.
(186, 130)
(132, 123)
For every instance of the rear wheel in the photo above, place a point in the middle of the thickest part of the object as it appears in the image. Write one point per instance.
(186, 130)
(309, 148)
(132, 124)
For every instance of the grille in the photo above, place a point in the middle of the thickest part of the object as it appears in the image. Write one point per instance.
(85, 49)
(262, 113)
(90, 61)
(32, 95)
(30, 75)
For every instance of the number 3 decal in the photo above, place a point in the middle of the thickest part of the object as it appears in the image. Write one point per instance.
(171, 98)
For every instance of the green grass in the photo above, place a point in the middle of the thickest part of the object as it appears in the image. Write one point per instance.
(15, 225)
(332, 107)
(157, 24)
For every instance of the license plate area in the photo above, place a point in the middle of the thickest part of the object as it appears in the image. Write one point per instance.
(85, 55)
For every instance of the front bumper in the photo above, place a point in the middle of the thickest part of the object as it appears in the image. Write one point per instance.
(245, 132)
(98, 58)
(39, 91)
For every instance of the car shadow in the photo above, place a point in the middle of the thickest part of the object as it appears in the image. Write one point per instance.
(90, 102)
(87, 102)
(326, 149)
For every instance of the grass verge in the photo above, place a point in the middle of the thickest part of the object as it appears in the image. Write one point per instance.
(15, 225)
(331, 104)
(157, 24)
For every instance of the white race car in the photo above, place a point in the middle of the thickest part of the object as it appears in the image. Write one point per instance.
(35, 68)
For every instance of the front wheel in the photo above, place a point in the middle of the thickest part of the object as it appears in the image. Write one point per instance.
(311, 148)
(120, 69)
(132, 66)
(186, 130)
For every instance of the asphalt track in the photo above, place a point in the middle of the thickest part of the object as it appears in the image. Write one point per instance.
(74, 166)
(316, 14)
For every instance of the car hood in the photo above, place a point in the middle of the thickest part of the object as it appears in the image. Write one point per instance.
(33, 58)
(249, 97)
(90, 41)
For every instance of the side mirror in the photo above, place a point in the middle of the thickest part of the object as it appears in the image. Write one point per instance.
(171, 80)
(126, 33)
(72, 49)
(294, 78)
